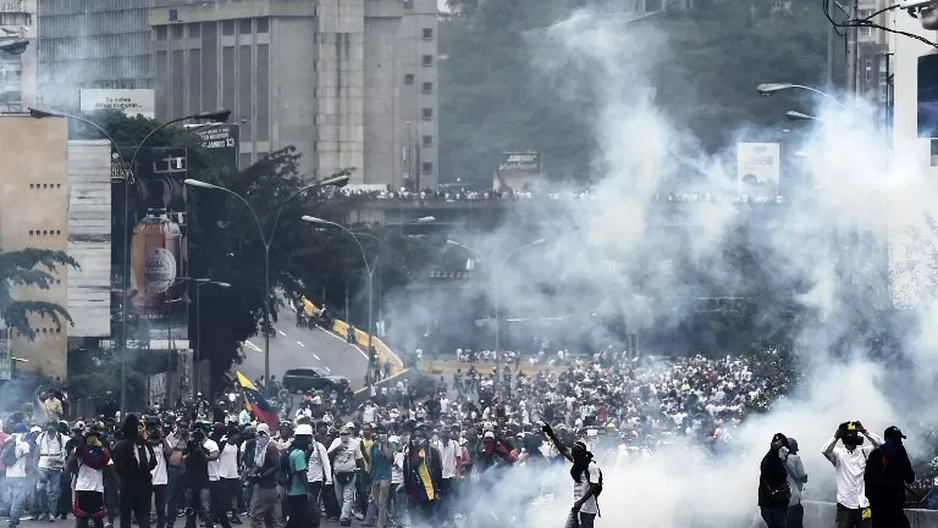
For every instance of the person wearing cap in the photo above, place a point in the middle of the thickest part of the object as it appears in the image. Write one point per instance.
(797, 478)
(261, 471)
(89, 462)
(318, 474)
(888, 470)
(774, 491)
(849, 463)
(134, 460)
(51, 446)
(423, 472)
(298, 488)
(18, 449)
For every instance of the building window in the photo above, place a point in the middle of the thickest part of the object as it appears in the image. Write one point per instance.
(177, 32)
(427, 141)
(864, 31)
(245, 26)
(195, 31)
(426, 114)
(227, 27)
(427, 88)
(408, 4)
(161, 33)
(427, 33)
(426, 167)
(409, 79)
(173, 15)
(263, 25)
(427, 60)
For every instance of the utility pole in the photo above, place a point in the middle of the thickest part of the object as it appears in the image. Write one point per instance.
(853, 48)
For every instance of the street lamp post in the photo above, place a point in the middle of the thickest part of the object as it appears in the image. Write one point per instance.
(496, 297)
(339, 179)
(795, 115)
(216, 116)
(370, 267)
(768, 89)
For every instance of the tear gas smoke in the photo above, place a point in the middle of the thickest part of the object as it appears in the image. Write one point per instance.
(857, 186)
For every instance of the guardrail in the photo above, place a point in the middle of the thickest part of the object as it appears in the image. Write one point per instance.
(341, 328)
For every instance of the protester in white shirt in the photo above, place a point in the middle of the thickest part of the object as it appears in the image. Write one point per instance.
(346, 456)
(318, 474)
(16, 472)
(91, 459)
(51, 446)
(449, 451)
(159, 474)
(849, 462)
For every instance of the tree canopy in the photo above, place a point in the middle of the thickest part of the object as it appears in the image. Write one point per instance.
(702, 64)
(31, 267)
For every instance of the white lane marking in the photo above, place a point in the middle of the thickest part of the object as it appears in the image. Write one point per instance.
(252, 346)
(340, 338)
(317, 357)
(282, 333)
(329, 370)
(301, 344)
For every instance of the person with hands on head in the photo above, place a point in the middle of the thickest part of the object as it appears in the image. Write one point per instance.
(849, 460)
(888, 471)
(587, 480)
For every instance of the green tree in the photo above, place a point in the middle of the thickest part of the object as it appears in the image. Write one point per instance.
(31, 268)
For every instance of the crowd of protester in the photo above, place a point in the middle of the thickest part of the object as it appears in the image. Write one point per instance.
(398, 459)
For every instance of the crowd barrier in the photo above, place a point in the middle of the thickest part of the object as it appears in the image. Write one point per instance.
(341, 328)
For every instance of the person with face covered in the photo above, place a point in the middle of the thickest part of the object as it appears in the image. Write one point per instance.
(346, 456)
(849, 463)
(774, 491)
(888, 470)
(134, 461)
(298, 488)
(423, 475)
(51, 446)
(88, 462)
(587, 481)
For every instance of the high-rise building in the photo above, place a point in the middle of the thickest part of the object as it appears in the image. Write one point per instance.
(34, 214)
(18, 63)
(349, 83)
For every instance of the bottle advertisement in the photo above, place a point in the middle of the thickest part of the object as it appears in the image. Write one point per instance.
(149, 223)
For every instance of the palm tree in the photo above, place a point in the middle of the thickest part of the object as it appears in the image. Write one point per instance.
(30, 267)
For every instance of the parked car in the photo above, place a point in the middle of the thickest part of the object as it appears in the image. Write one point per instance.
(303, 379)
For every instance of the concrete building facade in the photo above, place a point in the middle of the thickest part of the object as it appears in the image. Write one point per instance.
(34, 214)
(349, 83)
(18, 72)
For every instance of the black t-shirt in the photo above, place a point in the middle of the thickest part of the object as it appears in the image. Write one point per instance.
(196, 474)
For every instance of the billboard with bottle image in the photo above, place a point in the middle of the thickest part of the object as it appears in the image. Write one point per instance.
(150, 225)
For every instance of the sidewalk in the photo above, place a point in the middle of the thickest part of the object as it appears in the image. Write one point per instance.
(70, 523)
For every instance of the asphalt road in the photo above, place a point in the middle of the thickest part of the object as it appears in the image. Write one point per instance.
(295, 347)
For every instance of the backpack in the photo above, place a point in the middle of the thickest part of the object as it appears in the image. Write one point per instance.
(286, 472)
(8, 455)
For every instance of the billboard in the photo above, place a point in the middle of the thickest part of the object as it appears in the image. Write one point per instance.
(758, 169)
(151, 229)
(518, 171)
(89, 237)
(130, 102)
(222, 138)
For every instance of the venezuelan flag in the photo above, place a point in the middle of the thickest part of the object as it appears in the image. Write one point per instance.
(259, 406)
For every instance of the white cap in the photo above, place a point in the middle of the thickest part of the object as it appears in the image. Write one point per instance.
(303, 430)
(488, 434)
(35, 429)
(263, 428)
(394, 439)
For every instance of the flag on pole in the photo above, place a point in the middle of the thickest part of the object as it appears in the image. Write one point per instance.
(259, 406)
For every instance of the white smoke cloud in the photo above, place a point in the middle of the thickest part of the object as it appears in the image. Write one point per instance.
(859, 186)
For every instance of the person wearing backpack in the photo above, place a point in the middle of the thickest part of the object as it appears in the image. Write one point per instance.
(587, 481)
(262, 474)
(888, 470)
(14, 456)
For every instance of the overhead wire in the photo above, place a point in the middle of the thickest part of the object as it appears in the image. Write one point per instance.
(868, 22)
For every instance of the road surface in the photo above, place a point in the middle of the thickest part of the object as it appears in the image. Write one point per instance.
(294, 347)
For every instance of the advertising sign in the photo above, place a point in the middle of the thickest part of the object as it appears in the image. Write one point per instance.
(518, 171)
(152, 227)
(758, 169)
(6, 355)
(130, 102)
(223, 139)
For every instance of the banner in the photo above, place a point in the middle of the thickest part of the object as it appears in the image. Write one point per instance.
(6, 355)
(518, 171)
(130, 102)
(151, 228)
(224, 139)
(758, 169)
